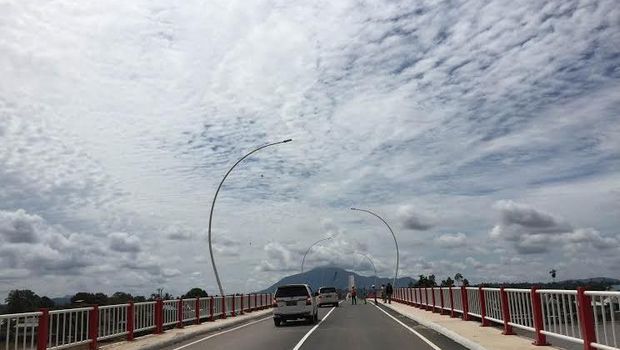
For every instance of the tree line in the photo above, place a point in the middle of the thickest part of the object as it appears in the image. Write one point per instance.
(429, 281)
(25, 300)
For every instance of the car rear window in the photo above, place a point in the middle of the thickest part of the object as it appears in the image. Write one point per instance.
(291, 291)
(327, 290)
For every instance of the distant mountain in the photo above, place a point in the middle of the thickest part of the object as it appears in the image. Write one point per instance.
(335, 277)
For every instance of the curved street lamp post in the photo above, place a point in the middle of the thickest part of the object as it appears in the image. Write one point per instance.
(371, 263)
(393, 236)
(217, 276)
(303, 260)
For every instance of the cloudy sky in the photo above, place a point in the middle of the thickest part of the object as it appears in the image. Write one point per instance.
(487, 133)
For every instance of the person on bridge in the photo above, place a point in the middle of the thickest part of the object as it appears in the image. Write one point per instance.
(383, 293)
(353, 296)
(388, 291)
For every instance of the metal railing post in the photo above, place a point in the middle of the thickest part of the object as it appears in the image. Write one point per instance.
(441, 301)
(223, 307)
(586, 319)
(43, 329)
(159, 316)
(93, 327)
(197, 309)
(452, 314)
(433, 299)
(505, 312)
(241, 309)
(465, 302)
(130, 320)
(180, 313)
(483, 307)
(255, 302)
(537, 312)
(232, 311)
(212, 309)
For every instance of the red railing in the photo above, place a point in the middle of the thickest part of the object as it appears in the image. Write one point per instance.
(579, 316)
(61, 329)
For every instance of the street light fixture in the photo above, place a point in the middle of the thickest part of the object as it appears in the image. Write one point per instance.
(393, 236)
(303, 260)
(217, 276)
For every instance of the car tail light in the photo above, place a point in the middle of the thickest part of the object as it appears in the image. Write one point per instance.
(309, 301)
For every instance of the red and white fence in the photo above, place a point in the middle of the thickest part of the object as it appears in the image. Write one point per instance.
(579, 316)
(60, 329)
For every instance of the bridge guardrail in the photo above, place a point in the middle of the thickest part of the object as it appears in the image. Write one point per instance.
(591, 318)
(61, 329)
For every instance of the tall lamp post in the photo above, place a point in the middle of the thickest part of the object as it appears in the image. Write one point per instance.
(393, 236)
(217, 276)
(303, 260)
(371, 263)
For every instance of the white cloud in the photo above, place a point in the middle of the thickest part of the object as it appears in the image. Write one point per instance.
(451, 241)
(414, 220)
(532, 231)
(124, 242)
(123, 118)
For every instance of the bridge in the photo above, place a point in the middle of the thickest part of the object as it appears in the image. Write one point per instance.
(418, 318)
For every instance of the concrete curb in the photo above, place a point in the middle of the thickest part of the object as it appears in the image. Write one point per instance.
(193, 334)
(443, 330)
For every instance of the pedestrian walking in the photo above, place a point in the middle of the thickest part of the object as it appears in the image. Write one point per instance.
(383, 293)
(353, 296)
(389, 290)
(374, 293)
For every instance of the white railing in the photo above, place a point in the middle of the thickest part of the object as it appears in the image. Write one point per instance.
(112, 321)
(606, 311)
(520, 307)
(473, 302)
(559, 309)
(68, 327)
(217, 307)
(171, 312)
(436, 296)
(189, 309)
(493, 305)
(60, 329)
(205, 307)
(18, 331)
(445, 293)
(591, 318)
(144, 316)
(457, 299)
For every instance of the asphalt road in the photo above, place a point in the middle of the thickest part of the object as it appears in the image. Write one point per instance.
(346, 327)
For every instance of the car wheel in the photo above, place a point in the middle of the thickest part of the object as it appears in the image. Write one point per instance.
(336, 304)
(276, 322)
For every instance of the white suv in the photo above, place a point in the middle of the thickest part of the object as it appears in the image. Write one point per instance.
(328, 296)
(293, 302)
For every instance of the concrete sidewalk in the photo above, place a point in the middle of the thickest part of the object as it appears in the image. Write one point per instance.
(178, 335)
(467, 333)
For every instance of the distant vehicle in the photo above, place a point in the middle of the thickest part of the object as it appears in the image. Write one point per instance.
(294, 302)
(327, 296)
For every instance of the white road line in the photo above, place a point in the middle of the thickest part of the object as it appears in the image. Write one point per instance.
(222, 332)
(301, 342)
(431, 344)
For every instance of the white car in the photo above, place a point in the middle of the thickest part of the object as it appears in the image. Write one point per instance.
(294, 302)
(328, 296)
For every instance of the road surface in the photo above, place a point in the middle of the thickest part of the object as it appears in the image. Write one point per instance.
(346, 327)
